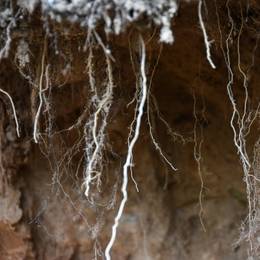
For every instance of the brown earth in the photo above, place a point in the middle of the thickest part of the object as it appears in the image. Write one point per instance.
(44, 214)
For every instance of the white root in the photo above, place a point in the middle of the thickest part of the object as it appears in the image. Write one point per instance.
(14, 111)
(198, 157)
(241, 124)
(95, 138)
(37, 116)
(129, 157)
(155, 143)
(158, 147)
(206, 41)
(131, 132)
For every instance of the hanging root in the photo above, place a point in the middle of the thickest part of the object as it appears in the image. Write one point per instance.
(173, 134)
(40, 90)
(95, 127)
(155, 143)
(206, 41)
(131, 132)
(241, 124)
(14, 111)
(239, 139)
(197, 156)
(131, 145)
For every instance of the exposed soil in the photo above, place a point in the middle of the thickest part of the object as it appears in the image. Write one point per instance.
(44, 214)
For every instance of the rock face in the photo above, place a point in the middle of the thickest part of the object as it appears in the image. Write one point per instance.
(193, 213)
